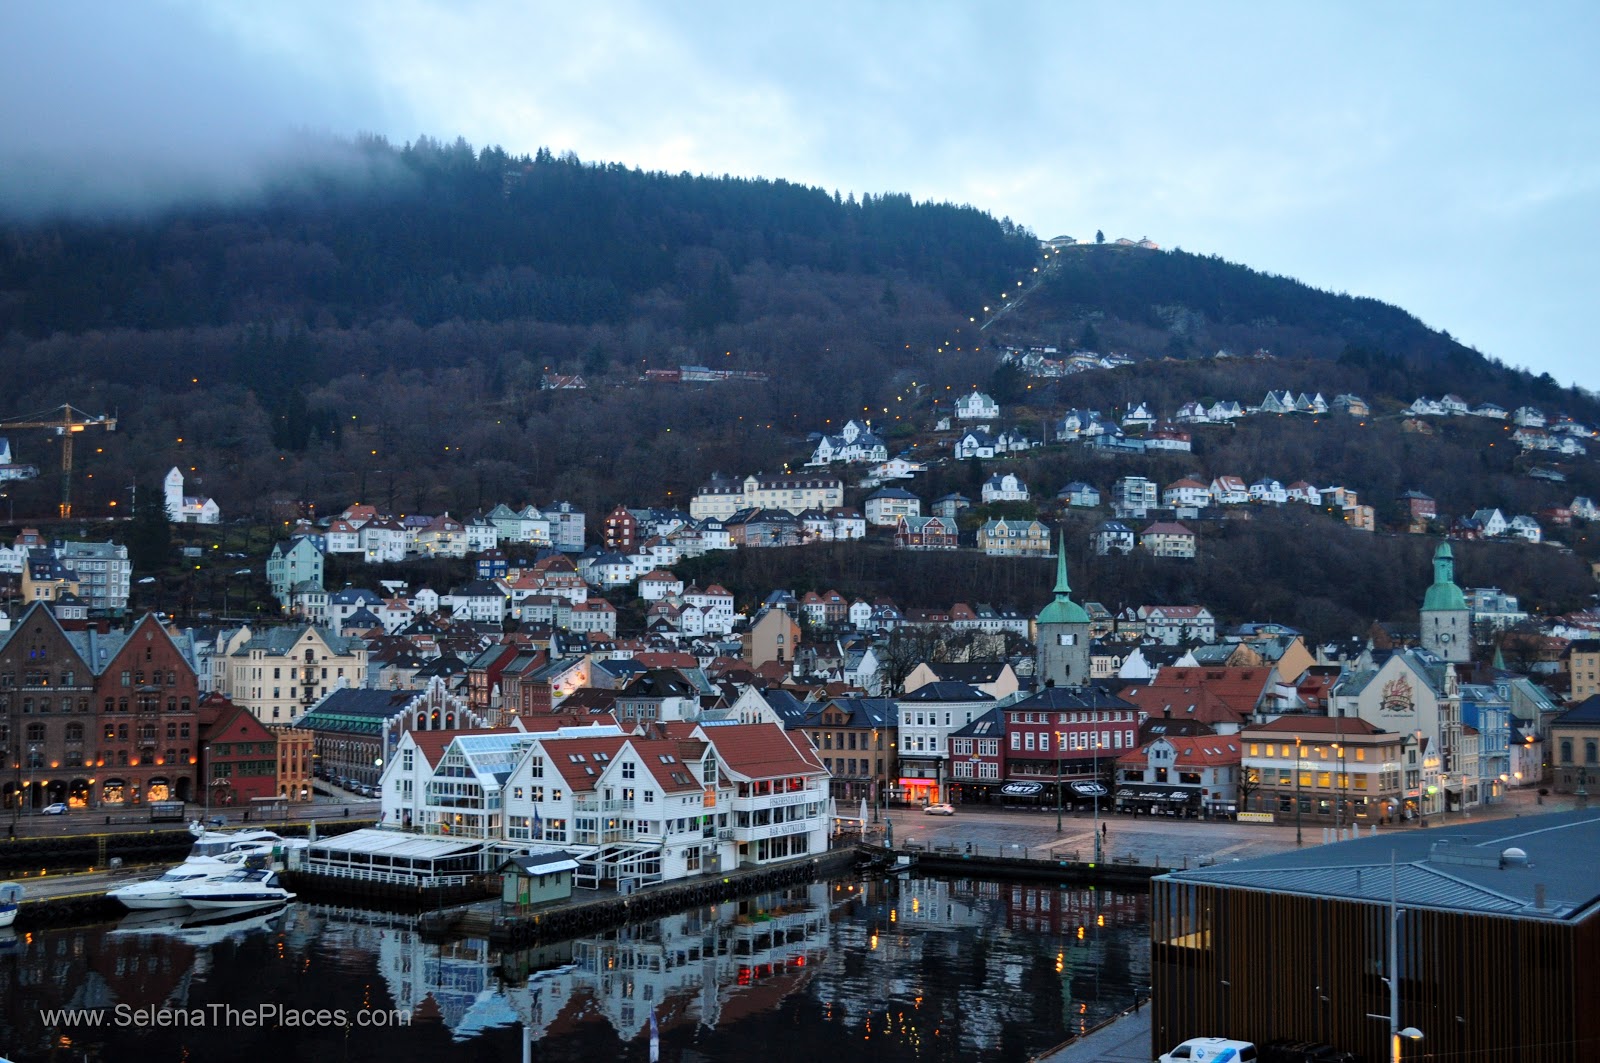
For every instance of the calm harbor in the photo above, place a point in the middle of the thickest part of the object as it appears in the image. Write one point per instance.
(897, 968)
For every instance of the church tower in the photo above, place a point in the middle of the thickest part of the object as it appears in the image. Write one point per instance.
(174, 496)
(1062, 633)
(1446, 621)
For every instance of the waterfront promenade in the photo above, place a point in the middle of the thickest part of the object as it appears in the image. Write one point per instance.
(1012, 834)
(1125, 1039)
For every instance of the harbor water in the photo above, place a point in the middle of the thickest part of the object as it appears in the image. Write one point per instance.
(880, 969)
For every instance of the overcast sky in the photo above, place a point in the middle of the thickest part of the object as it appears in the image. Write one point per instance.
(1442, 157)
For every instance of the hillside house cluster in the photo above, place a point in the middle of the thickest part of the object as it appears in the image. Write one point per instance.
(80, 578)
(854, 443)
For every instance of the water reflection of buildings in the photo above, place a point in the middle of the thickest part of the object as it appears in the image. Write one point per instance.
(701, 966)
(149, 960)
(909, 961)
(981, 941)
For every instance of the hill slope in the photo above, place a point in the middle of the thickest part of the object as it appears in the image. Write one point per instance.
(1179, 305)
(383, 338)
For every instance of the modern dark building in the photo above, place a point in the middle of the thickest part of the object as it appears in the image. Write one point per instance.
(1491, 928)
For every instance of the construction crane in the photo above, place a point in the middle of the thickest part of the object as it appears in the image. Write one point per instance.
(66, 421)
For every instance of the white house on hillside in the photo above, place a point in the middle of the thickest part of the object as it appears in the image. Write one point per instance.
(188, 509)
(977, 407)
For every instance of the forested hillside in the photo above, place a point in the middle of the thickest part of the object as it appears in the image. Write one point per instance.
(389, 332)
(379, 332)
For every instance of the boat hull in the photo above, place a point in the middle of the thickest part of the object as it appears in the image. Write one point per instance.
(8, 914)
(141, 902)
(238, 901)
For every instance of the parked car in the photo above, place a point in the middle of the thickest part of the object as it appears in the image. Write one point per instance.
(57, 809)
(940, 810)
(1211, 1050)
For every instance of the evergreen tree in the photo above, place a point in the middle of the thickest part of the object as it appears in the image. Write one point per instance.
(149, 533)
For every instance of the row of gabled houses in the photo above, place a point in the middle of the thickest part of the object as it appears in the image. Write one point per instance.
(632, 802)
(1136, 496)
(1522, 416)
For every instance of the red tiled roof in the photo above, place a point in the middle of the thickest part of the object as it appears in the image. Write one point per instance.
(685, 764)
(763, 750)
(660, 659)
(560, 754)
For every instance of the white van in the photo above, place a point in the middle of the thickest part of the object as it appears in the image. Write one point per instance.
(1211, 1050)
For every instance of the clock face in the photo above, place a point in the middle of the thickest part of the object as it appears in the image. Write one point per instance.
(1445, 636)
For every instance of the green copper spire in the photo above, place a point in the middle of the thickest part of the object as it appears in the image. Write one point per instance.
(1063, 610)
(1444, 594)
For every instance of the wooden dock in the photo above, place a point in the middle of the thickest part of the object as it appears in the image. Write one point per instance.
(509, 926)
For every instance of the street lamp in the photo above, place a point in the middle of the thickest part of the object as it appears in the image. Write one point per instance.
(1396, 1033)
(1339, 798)
(1299, 837)
(1059, 736)
(877, 767)
(1095, 797)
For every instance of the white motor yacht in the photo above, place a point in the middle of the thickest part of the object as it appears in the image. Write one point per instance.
(167, 891)
(10, 902)
(242, 889)
(217, 842)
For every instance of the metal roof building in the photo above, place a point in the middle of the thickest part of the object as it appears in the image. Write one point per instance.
(1476, 917)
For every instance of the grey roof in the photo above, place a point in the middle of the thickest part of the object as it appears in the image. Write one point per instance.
(790, 709)
(1585, 712)
(943, 691)
(355, 710)
(95, 648)
(543, 863)
(973, 672)
(277, 641)
(991, 724)
(864, 712)
(1459, 867)
(1057, 699)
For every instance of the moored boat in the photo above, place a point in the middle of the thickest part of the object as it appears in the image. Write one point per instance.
(242, 889)
(10, 902)
(167, 891)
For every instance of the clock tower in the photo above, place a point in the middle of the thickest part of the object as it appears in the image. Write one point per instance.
(1446, 620)
(1062, 633)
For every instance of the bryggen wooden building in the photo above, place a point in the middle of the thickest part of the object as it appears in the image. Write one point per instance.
(1498, 944)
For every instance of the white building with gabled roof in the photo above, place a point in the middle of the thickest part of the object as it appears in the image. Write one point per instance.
(188, 509)
(976, 406)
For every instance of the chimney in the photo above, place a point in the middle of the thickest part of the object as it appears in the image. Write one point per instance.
(1538, 896)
